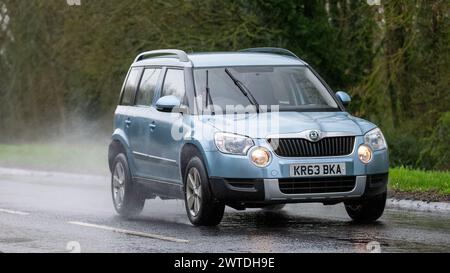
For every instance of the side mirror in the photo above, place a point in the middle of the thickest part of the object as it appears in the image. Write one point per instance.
(168, 104)
(344, 97)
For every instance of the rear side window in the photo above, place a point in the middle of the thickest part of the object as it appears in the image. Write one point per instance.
(147, 87)
(131, 86)
(174, 84)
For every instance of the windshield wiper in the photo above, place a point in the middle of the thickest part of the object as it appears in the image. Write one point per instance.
(244, 90)
(208, 91)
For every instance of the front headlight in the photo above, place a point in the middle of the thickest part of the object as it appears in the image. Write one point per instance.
(375, 140)
(233, 144)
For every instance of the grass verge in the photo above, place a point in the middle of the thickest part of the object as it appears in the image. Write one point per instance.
(431, 186)
(78, 158)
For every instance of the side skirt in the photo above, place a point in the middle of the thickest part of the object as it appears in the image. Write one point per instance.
(163, 189)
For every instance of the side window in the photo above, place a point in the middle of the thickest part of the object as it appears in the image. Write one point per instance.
(174, 84)
(131, 87)
(147, 87)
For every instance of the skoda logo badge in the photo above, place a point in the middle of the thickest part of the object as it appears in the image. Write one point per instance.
(314, 136)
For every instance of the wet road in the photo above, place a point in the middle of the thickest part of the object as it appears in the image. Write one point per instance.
(44, 212)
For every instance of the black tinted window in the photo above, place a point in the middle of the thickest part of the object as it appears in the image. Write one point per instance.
(147, 87)
(131, 86)
(174, 84)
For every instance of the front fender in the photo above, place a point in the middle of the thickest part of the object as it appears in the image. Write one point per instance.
(197, 144)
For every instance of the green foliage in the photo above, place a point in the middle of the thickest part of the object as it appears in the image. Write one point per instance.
(322, 36)
(60, 63)
(404, 149)
(408, 180)
(408, 89)
(436, 154)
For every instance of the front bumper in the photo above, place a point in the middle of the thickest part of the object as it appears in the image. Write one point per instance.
(241, 167)
(267, 191)
(227, 172)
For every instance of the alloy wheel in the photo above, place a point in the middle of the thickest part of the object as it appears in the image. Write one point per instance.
(119, 185)
(194, 191)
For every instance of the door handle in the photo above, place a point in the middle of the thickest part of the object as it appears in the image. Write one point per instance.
(128, 122)
(152, 126)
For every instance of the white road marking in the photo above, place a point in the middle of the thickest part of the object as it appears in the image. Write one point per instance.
(130, 232)
(14, 212)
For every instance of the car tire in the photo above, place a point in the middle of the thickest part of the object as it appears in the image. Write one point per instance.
(127, 199)
(201, 207)
(274, 207)
(368, 210)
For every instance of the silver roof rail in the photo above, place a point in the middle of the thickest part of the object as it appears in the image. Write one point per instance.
(273, 50)
(180, 54)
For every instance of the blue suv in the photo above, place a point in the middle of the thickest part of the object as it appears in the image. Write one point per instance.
(258, 128)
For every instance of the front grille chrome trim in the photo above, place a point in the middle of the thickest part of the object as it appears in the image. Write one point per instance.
(303, 148)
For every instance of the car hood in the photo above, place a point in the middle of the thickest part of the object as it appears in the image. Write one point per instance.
(265, 124)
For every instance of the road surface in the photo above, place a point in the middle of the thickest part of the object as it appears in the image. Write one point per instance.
(53, 212)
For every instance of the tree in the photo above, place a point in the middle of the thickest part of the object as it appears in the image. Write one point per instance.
(60, 64)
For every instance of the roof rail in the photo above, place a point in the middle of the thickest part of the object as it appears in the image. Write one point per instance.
(273, 50)
(180, 54)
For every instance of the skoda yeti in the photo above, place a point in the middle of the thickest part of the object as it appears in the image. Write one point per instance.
(258, 128)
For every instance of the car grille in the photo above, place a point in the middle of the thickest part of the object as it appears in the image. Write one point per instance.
(317, 185)
(299, 147)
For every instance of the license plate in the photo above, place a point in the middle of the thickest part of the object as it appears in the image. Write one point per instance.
(307, 170)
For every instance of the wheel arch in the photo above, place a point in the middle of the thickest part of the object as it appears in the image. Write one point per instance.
(189, 150)
(119, 144)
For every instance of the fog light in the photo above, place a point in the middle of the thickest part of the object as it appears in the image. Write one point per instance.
(260, 157)
(365, 154)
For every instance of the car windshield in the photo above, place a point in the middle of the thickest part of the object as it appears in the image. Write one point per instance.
(293, 88)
